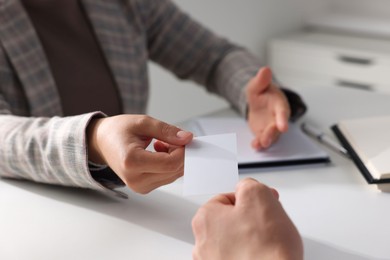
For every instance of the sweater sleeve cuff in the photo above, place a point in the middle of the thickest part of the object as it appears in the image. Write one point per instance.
(297, 105)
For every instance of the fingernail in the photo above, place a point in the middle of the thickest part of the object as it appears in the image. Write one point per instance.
(183, 134)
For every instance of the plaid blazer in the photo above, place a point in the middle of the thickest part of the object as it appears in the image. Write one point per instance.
(38, 143)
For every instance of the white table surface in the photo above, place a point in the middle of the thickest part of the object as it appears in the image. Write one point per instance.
(338, 214)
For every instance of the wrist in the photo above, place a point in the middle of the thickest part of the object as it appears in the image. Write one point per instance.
(272, 250)
(272, 254)
(94, 152)
(292, 250)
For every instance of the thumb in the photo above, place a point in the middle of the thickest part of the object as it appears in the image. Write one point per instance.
(225, 199)
(260, 82)
(162, 131)
(250, 192)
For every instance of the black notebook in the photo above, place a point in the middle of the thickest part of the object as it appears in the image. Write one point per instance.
(367, 140)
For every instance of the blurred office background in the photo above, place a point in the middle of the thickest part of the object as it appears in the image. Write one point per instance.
(255, 23)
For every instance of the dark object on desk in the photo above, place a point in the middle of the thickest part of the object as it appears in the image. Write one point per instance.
(368, 143)
(322, 138)
(283, 163)
(297, 106)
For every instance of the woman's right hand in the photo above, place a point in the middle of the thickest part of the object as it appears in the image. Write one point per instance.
(121, 141)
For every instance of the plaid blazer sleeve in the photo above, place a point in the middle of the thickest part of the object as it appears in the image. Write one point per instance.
(190, 51)
(48, 150)
(40, 148)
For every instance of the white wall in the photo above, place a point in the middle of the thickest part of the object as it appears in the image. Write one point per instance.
(247, 22)
(374, 8)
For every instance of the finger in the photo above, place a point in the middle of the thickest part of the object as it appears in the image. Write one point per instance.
(148, 182)
(275, 193)
(161, 146)
(273, 137)
(148, 126)
(282, 120)
(165, 179)
(250, 191)
(268, 136)
(156, 162)
(260, 143)
(164, 147)
(261, 82)
(226, 199)
(256, 144)
(282, 114)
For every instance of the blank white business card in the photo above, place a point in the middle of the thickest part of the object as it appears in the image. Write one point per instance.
(210, 165)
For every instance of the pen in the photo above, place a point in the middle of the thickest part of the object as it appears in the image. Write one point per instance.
(324, 139)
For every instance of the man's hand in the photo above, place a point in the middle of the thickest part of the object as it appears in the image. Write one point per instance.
(268, 109)
(250, 224)
(120, 143)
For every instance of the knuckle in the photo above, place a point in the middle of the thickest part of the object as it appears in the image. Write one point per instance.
(129, 160)
(195, 254)
(137, 187)
(180, 171)
(199, 219)
(252, 186)
(174, 166)
(166, 129)
(195, 224)
(174, 177)
(144, 191)
(169, 179)
(142, 120)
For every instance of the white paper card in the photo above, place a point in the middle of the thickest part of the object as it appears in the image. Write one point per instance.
(210, 165)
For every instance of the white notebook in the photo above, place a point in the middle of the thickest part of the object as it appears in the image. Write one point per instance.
(292, 148)
(368, 142)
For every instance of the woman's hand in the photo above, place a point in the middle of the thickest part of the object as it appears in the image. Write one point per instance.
(268, 109)
(121, 141)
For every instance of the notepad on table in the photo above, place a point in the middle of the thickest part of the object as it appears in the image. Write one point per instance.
(292, 148)
(368, 142)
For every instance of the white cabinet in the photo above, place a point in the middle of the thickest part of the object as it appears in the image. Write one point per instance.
(321, 59)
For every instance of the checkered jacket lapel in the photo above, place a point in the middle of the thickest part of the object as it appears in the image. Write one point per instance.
(28, 59)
